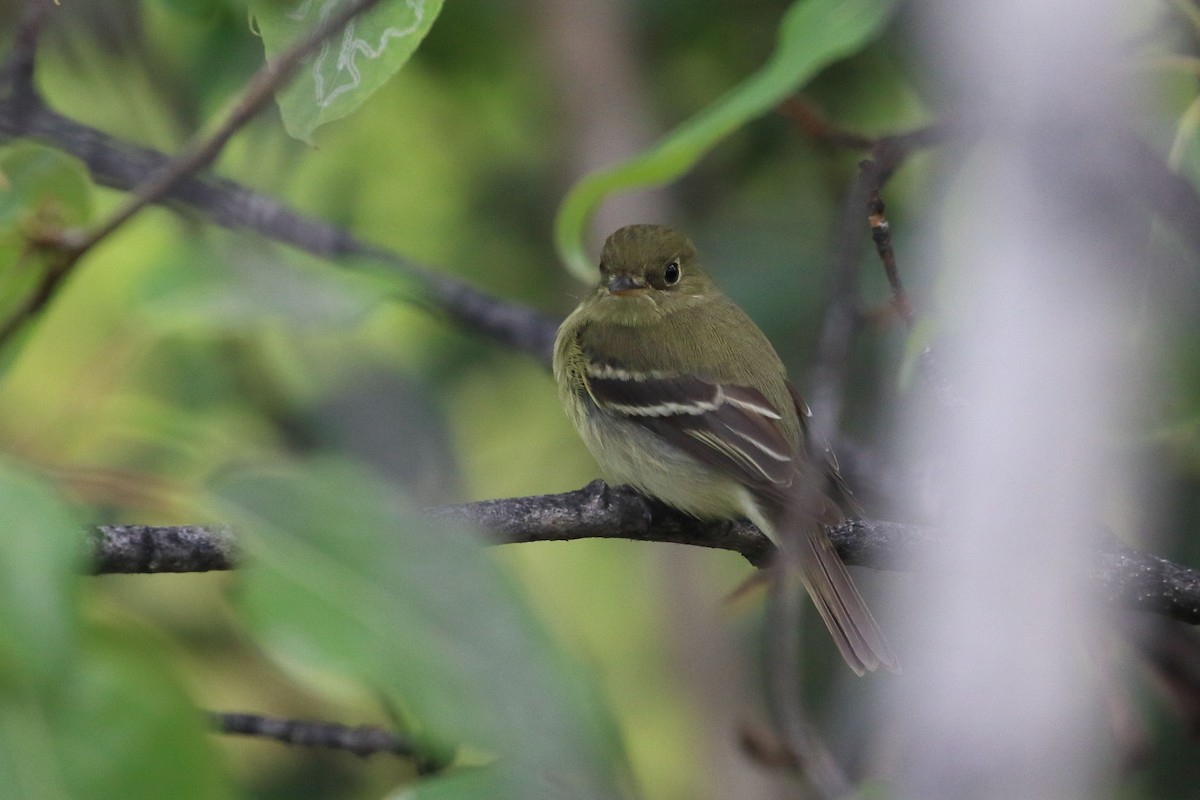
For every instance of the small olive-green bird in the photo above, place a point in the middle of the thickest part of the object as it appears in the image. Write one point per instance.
(677, 393)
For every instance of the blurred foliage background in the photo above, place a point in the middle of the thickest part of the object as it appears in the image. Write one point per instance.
(179, 353)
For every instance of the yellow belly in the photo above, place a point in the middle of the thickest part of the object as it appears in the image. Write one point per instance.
(630, 454)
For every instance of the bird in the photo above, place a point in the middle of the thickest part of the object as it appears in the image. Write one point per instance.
(677, 393)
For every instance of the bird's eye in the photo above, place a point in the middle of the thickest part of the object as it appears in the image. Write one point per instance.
(671, 273)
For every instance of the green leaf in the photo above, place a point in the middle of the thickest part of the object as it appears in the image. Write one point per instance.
(42, 191)
(41, 555)
(349, 66)
(124, 728)
(342, 578)
(206, 290)
(84, 711)
(812, 35)
(38, 182)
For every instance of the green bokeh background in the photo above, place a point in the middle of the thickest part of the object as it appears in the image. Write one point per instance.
(180, 352)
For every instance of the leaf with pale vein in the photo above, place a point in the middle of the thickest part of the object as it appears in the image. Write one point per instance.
(350, 65)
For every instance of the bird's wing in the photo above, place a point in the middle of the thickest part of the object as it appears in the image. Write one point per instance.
(821, 455)
(732, 428)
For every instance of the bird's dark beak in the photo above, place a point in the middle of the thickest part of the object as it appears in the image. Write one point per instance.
(623, 283)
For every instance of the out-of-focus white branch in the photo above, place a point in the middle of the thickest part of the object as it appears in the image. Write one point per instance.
(997, 702)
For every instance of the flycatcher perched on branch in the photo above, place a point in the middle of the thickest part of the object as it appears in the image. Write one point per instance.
(677, 393)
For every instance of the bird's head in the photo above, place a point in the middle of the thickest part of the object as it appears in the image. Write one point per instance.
(651, 267)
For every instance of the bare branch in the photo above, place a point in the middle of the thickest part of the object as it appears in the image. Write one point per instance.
(843, 314)
(362, 740)
(827, 383)
(56, 266)
(881, 234)
(599, 511)
(891, 150)
(154, 549)
(813, 123)
(1122, 576)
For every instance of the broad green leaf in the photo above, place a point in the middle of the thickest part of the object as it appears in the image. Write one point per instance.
(349, 66)
(343, 579)
(812, 35)
(84, 711)
(124, 728)
(118, 728)
(211, 292)
(41, 555)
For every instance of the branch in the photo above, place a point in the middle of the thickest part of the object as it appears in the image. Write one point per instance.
(202, 151)
(116, 549)
(362, 740)
(68, 248)
(875, 174)
(785, 693)
(843, 314)
(840, 323)
(16, 74)
(120, 165)
(1122, 576)
(599, 511)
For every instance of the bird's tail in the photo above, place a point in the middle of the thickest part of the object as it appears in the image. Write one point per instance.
(804, 543)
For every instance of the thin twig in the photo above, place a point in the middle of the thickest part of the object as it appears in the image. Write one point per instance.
(888, 154)
(764, 747)
(814, 124)
(120, 165)
(830, 373)
(890, 149)
(202, 150)
(16, 78)
(881, 234)
(826, 385)
(782, 642)
(361, 740)
(198, 154)
(54, 269)
(843, 315)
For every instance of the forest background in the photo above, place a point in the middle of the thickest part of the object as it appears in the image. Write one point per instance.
(319, 395)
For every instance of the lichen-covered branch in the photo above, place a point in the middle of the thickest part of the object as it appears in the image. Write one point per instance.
(161, 548)
(1121, 576)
